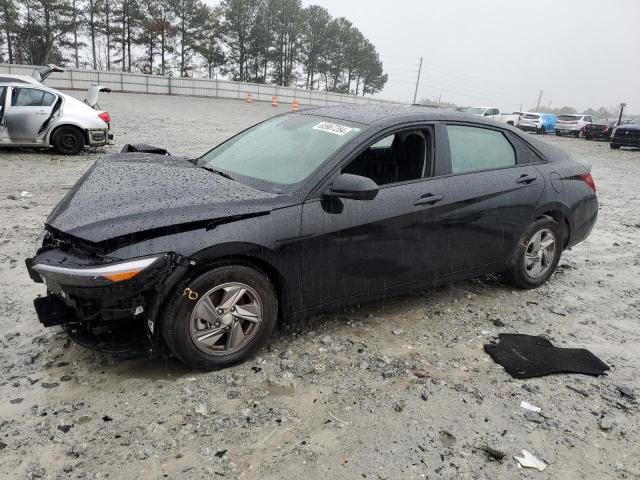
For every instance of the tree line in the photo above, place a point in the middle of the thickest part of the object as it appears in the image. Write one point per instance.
(263, 41)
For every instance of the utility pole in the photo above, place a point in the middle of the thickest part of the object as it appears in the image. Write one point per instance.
(415, 95)
(539, 98)
(622, 105)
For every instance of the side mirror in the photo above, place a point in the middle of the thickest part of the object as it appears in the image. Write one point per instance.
(353, 187)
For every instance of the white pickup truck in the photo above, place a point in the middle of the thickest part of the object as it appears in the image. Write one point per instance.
(495, 114)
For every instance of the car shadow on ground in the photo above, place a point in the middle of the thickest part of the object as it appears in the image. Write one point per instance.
(159, 364)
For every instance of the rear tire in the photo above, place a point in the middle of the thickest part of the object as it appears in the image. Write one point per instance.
(221, 317)
(536, 255)
(67, 140)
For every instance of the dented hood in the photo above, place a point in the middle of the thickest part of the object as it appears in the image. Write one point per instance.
(131, 193)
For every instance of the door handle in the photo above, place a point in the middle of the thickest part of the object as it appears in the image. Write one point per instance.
(41, 112)
(428, 199)
(526, 179)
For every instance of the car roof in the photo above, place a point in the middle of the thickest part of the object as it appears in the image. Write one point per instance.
(18, 79)
(391, 114)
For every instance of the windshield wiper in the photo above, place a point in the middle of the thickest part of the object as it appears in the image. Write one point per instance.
(218, 172)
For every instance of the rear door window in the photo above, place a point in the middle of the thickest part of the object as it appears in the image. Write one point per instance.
(32, 97)
(474, 149)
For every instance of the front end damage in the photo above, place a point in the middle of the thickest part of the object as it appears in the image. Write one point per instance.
(102, 303)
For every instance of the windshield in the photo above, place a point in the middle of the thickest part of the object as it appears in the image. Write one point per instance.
(531, 116)
(283, 150)
(475, 111)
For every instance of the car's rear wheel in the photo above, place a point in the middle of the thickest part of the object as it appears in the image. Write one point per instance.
(68, 140)
(537, 254)
(220, 317)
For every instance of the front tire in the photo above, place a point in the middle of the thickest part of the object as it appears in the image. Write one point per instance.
(537, 255)
(221, 317)
(68, 141)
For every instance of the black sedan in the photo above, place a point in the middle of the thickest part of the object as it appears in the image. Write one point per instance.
(299, 214)
(627, 134)
(600, 129)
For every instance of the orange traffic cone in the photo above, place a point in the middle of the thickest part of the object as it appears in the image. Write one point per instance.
(249, 98)
(295, 106)
(274, 101)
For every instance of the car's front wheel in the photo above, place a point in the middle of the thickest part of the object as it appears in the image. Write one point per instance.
(537, 254)
(68, 140)
(220, 317)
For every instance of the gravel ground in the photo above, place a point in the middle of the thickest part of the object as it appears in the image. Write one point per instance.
(404, 391)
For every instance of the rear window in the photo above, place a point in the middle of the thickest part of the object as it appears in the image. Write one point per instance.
(475, 148)
(31, 97)
(569, 118)
(530, 116)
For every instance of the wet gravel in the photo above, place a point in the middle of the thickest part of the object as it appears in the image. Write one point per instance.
(397, 392)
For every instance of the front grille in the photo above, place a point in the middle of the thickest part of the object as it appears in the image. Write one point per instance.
(624, 134)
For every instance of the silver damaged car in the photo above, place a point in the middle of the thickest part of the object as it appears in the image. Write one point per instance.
(34, 115)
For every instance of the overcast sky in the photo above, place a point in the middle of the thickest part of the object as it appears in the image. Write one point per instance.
(581, 53)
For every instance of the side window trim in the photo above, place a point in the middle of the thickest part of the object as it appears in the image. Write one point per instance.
(316, 192)
(483, 127)
(393, 131)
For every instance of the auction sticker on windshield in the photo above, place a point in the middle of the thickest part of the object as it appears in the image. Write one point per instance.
(334, 128)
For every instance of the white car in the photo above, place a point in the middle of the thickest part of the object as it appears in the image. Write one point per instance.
(572, 124)
(34, 115)
(494, 114)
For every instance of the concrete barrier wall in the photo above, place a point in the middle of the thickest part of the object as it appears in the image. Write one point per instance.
(74, 79)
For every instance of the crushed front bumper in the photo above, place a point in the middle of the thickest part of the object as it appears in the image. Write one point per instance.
(82, 299)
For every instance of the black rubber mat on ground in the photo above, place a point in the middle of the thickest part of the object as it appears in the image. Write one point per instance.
(526, 356)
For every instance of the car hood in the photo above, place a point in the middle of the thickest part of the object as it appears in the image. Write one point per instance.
(630, 126)
(131, 193)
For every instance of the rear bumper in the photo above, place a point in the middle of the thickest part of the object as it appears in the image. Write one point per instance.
(583, 220)
(97, 137)
(572, 129)
(528, 127)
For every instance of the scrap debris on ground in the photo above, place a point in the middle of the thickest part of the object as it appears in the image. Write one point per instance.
(399, 391)
(529, 356)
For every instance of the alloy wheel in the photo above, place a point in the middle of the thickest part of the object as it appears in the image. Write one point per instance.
(226, 318)
(540, 253)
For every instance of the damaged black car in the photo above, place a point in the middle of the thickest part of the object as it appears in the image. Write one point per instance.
(302, 213)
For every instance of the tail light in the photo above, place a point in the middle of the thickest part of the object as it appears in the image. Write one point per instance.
(104, 116)
(606, 128)
(588, 179)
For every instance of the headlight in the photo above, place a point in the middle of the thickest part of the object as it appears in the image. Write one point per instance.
(114, 272)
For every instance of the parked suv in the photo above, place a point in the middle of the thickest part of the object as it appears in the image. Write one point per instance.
(572, 125)
(626, 135)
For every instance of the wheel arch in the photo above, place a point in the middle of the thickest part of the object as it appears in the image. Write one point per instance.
(57, 127)
(561, 217)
